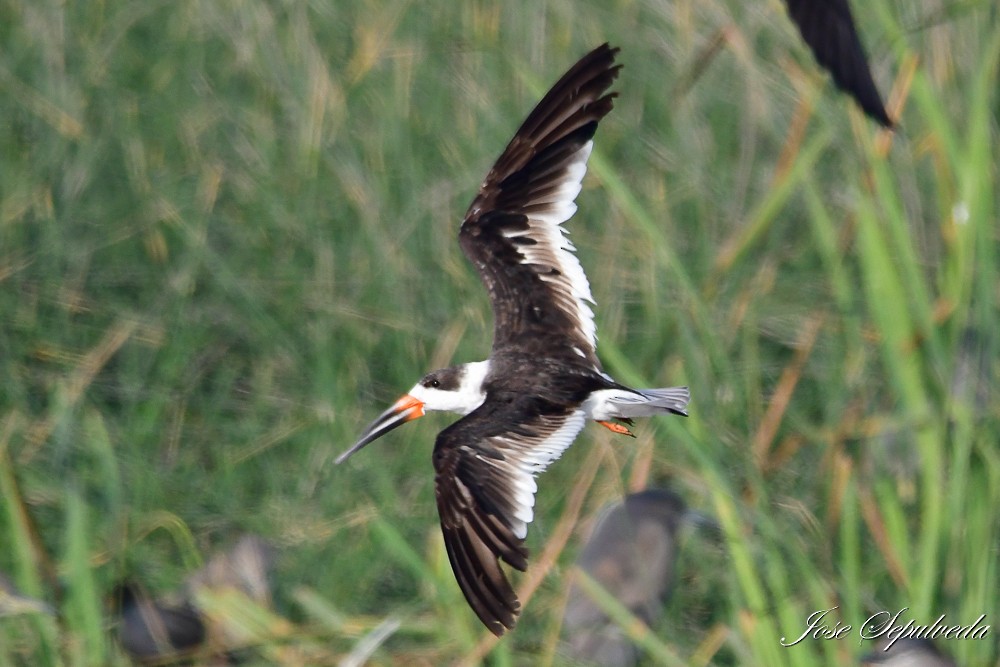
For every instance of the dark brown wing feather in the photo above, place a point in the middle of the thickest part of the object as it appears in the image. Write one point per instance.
(827, 27)
(486, 463)
(512, 231)
(574, 101)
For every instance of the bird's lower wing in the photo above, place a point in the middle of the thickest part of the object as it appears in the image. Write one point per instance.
(485, 488)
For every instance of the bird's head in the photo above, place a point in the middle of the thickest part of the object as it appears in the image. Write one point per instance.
(453, 389)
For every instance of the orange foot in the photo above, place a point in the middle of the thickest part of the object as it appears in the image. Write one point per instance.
(621, 429)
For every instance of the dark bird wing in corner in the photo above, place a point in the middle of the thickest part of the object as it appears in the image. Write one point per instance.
(827, 27)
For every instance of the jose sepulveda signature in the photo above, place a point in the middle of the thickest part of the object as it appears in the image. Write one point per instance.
(884, 624)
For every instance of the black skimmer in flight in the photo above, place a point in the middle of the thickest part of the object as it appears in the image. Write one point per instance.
(543, 381)
(827, 27)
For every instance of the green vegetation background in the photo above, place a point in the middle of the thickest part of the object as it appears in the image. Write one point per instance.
(227, 241)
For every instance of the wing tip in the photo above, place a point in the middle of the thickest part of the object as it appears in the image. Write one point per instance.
(481, 579)
(843, 57)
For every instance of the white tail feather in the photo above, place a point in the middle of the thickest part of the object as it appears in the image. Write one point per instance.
(622, 404)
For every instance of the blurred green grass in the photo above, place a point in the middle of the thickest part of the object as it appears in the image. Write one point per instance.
(227, 240)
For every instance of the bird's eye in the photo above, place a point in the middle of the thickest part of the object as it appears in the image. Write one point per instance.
(435, 384)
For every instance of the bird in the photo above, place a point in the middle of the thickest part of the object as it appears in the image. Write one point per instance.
(631, 554)
(525, 404)
(159, 630)
(153, 631)
(827, 27)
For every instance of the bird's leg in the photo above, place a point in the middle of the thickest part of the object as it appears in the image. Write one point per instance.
(614, 427)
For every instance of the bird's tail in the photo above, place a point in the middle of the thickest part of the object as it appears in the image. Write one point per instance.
(649, 402)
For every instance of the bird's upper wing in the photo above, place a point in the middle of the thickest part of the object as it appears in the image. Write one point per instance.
(512, 232)
(485, 486)
(827, 27)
